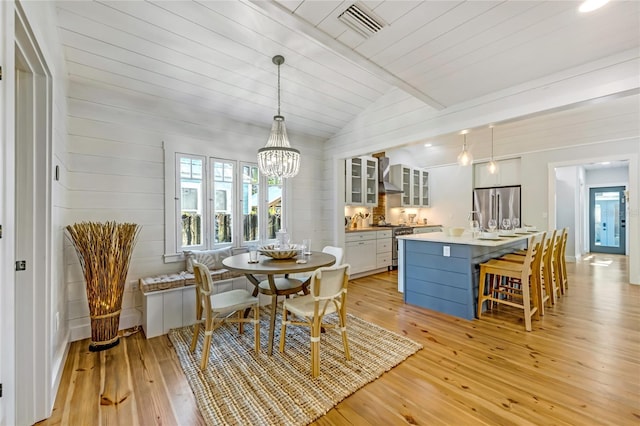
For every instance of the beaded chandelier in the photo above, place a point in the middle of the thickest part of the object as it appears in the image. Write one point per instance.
(277, 158)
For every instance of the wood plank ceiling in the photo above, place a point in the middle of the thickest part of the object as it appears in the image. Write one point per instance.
(214, 57)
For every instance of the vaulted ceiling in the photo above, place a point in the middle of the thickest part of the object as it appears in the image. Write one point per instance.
(214, 57)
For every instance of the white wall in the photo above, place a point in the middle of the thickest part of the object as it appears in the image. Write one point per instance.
(610, 176)
(567, 193)
(116, 172)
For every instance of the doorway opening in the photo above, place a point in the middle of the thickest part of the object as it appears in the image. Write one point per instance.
(607, 220)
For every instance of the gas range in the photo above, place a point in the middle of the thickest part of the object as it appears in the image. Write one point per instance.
(398, 229)
(401, 230)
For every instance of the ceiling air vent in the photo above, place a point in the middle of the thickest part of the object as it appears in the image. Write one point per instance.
(362, 20)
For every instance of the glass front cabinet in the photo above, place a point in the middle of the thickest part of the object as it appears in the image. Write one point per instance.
(425, 200)
(361, 183)
(414, 184)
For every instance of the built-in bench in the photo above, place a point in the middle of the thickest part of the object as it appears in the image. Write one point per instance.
(168, 301)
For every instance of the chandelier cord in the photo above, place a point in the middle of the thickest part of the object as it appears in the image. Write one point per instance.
(491, 143)
(278, 89)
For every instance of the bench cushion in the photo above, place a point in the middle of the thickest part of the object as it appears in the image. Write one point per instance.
(162, 282)
(169, 281)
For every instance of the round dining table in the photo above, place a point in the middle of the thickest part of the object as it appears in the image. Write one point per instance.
(277, 286)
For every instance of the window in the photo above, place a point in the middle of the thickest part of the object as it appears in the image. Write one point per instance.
(191, 207)
(222, 186)
(274, 207)
(250, 203)
(218, 202)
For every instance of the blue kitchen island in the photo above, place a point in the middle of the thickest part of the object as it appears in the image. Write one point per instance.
(440, 272)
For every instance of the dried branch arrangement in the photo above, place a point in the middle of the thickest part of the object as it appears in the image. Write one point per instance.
(104, 250)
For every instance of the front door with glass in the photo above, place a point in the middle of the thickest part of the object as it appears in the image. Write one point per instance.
(607, 220)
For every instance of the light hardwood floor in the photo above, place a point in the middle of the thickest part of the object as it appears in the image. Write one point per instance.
(579, 366)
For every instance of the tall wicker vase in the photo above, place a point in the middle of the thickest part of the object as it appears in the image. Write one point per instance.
(104, 250)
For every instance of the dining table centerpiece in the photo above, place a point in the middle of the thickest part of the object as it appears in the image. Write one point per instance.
(104, 251)
(276, 251)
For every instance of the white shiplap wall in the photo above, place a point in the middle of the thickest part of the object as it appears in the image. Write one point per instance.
(116, 172)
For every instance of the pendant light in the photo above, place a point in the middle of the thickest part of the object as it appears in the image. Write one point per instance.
(277, 158)
(492, 166)
(465, 158)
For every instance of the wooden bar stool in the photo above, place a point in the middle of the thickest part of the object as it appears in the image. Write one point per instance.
(536, 267)
(549, 280)
(503, 290)
(560, 272)
(548, 269)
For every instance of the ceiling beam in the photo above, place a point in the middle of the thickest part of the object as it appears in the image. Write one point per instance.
(286, 17)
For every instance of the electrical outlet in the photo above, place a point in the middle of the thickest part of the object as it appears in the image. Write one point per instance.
(446, 251)
(134, 285)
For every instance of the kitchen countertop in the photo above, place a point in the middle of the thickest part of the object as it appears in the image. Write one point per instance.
(382, 228)
(466, 238)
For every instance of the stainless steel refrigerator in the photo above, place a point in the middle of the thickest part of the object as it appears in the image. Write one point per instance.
(496, 203)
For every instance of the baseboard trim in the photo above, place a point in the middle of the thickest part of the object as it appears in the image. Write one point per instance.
(59, 361)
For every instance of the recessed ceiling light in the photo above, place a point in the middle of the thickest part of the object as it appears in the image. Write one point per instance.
(427, 145)
(591, 5)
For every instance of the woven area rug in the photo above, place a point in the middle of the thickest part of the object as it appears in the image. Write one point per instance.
(242, 388)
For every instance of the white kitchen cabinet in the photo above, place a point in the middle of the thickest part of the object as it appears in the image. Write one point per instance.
(361, 255)
(368, 251)
(400, 176)
(425, 193)
(383, 249)
(414, 183)
(361, 181)
(508, 174)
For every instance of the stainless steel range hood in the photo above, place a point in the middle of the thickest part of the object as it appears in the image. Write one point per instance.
(384, 186)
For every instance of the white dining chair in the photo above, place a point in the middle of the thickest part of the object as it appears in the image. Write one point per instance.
(328, 295)
(213, 310)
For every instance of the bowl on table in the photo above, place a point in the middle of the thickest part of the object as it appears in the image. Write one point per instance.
(530, 228)
(455, 232)
(489, 235)
(275, 252)
(507, 232)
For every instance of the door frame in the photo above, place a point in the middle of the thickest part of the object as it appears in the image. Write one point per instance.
(7, 248)
(622, 249)
(32, 221)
